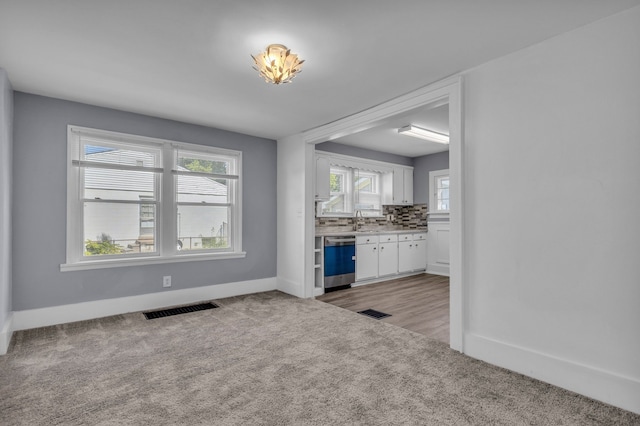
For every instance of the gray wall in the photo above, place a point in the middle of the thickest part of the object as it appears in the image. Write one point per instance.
(370, 154)
(39, 236)
(6, 142)
(421, 168)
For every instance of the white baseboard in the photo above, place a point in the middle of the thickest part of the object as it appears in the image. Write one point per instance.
(5, 334)
(33, 318)
(438, 270)
(290, 287)
(592, 382)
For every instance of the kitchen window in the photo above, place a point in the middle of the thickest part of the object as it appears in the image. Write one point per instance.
(134, 200)
(439, 191)
(352, 189)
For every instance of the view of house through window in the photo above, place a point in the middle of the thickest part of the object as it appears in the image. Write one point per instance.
(121, 206)
(204, 201)
(118, 193)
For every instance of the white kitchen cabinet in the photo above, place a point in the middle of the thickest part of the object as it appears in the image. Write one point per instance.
(367, 260)
(388, 258)
(405, 256)
(322, 178)
(419, 255)
(403, 186)
(412, 252)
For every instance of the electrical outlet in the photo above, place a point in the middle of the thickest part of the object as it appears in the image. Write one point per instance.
(166, 281)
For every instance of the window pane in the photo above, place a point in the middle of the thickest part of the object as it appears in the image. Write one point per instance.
(336, 204)
(336, 182)
(115, 228)
(202, 189)
(365, 184)
(121, 154)
(196, 162)
(203, 227)
(443, 204)
(108, 184)
(443, 182)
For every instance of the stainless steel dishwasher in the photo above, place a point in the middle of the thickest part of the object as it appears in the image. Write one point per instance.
(339, 262)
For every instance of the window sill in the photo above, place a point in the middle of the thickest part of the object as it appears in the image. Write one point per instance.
(438, 215)
(140, 261)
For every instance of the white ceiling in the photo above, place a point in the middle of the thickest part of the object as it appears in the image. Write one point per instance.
(384, 136)
(189, 60)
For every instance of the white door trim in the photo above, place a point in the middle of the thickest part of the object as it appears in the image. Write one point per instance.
(449, 90)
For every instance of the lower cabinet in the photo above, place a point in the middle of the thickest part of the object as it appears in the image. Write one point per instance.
(405, 256)
(389, 255)
(412, 252)
(387, 259)
(366, 258)
(419, 254)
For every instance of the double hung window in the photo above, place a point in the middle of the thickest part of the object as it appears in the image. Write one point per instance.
(352, 189)
(439, 191)
(137, 200)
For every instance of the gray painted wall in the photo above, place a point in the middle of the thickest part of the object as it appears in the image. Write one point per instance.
(6, 142)
(370, 154)
(39, 223)
(421, 168)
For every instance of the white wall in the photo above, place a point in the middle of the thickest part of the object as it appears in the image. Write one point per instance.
(6, 148)
(552, 208)
(291, 190)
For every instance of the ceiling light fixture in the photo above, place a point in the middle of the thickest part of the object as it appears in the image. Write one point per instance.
(418, 132)
(277, 64)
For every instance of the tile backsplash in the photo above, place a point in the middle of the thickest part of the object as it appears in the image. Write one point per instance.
(405, 217)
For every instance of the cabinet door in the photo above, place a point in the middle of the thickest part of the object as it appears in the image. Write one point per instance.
(366, 261)
(405, 256)
(402, 186)
(408, 186)
(388, 259)
(322, 178)
(398, 186)
(419, 255)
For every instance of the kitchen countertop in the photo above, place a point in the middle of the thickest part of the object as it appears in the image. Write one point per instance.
(335, 233)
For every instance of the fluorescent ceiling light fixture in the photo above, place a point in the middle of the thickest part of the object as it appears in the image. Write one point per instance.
(277, 64)
(425, 134)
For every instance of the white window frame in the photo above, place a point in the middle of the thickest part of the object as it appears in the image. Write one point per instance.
(365, 165)
(434, 176)
(347, 191)
(166, 204)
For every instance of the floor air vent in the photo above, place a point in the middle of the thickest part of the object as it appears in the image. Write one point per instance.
(374, 314)
(177, 311)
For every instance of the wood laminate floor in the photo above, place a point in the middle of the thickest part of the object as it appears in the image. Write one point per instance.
(418, 303)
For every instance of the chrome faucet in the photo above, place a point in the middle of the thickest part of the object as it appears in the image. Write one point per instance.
(356, 222)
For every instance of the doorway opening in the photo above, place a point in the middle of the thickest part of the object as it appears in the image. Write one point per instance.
(362, 126)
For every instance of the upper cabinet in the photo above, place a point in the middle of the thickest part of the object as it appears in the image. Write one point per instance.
(403, 186)
(322, 179)
(399, 186)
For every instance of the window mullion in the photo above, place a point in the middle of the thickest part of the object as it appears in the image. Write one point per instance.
(167, 211)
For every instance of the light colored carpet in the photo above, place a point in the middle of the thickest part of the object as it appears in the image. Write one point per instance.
(267, 359)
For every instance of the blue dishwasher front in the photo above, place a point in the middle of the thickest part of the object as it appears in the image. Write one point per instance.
(339, 261)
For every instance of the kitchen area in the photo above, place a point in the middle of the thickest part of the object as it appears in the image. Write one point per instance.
(372, 226)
